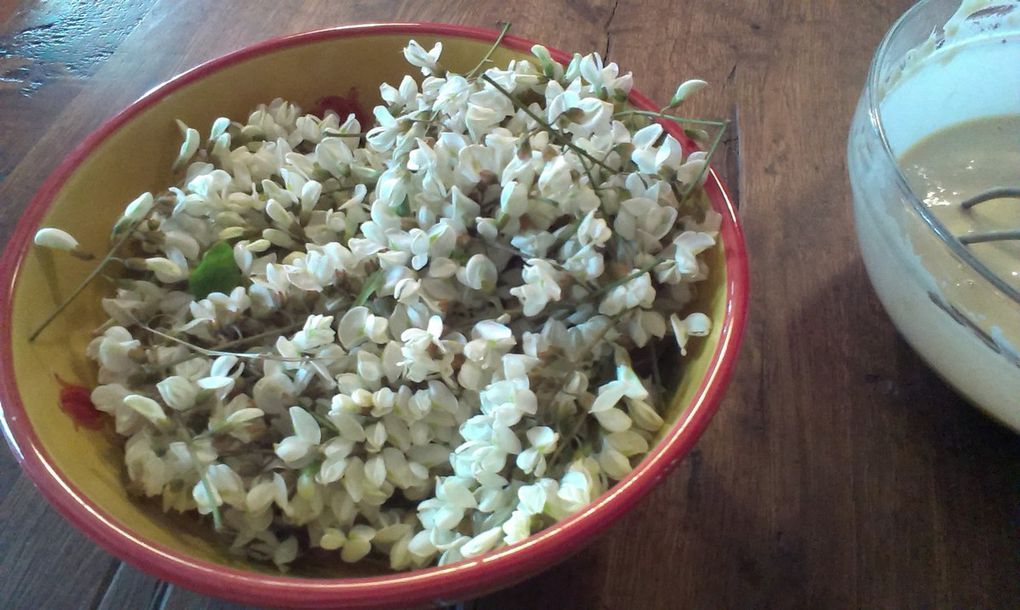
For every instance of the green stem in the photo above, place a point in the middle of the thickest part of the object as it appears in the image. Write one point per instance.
(492, 49)
(708, 158)
(565, 440)
(553, 131)
(524, 256)
(263, 335)
(195, 348)
(656, 376)
(481, 62)
(429, 121)
(91, 276)
(237, 342)
(212, 353)
(337, 134)
(621, 282)
(372, 284)
(566, 235)
(591, 177)
(217, 517)
(324, 421)
(671, 117)
(512, 250)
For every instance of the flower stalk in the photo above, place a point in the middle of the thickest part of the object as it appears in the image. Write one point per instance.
(96, 271)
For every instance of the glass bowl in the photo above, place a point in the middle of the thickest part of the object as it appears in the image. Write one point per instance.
(940, 64)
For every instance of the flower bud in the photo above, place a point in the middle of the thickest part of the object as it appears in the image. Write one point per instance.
(546, 61)
(219, 127)
(480, 273)
(56, 239)
(685, 90)
(243, 416)
(178, 392)
(231, 233)
(279, 214)
(279, 238)
(189, 146)
(139, 208)
(147, 408)
(332, 539)
(166, 270)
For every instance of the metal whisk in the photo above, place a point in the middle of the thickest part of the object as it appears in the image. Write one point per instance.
(989, 195)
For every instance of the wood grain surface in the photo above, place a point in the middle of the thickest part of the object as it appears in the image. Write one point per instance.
(840, 472)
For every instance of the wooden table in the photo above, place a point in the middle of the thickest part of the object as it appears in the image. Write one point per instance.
(840, 472)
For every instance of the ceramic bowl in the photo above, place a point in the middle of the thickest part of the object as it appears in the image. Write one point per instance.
(80, 470)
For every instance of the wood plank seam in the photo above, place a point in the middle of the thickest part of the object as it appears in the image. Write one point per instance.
(609, 31)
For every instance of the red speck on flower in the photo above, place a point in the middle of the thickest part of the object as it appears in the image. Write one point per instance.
(342, 106)
(76, 401)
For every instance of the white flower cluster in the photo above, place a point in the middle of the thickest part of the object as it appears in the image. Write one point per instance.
(416, 340)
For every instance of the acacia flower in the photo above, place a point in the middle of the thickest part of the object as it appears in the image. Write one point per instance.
(541, 285)
(694, 325)
(307, 435)
(417, 56)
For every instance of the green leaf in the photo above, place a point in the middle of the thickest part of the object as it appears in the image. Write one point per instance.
(216, 273)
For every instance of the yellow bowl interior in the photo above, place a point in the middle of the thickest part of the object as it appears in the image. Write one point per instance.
(137, 158)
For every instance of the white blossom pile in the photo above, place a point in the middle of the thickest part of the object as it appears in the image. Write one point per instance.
(426, 349)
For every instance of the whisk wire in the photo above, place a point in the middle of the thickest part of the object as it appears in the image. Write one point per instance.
(989, 195)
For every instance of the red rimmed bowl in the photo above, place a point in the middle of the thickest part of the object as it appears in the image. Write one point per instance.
(80, 470)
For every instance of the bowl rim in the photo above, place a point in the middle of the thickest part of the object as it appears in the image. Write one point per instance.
(488, 572)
